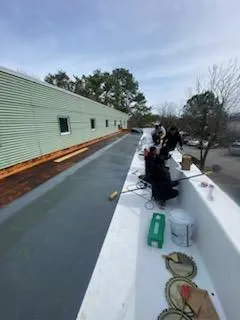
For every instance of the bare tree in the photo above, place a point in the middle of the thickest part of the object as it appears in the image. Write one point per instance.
(216, 96)
(167, 109)
(224, 82)
(168, 113)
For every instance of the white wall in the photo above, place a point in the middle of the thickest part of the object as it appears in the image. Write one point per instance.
(217, 236)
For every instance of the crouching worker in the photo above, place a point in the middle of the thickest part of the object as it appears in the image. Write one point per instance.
(162, 186)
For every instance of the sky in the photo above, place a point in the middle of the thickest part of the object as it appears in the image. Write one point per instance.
(166, 44)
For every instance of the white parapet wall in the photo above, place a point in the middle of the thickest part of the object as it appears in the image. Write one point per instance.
(217, 234)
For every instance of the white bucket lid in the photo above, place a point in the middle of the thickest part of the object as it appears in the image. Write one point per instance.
(181, 216)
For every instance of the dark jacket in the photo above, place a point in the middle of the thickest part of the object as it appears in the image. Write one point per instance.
(161, 177)
(172, 140)
(162, 185)
(149, 164)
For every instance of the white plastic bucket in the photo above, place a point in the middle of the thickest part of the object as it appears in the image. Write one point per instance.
(182, 228)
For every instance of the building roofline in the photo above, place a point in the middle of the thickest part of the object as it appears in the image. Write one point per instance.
(43, 83)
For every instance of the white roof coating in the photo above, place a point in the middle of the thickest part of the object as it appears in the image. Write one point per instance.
(129, 277)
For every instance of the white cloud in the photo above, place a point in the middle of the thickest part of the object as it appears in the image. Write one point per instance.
(180, 40)
(165, 43)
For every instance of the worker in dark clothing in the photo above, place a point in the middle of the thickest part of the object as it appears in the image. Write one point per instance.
(149, 163)
(170, 141)
(172, 138)
(162, 186)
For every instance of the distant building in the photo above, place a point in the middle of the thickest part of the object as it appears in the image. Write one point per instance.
(234, 123)
(37, 118)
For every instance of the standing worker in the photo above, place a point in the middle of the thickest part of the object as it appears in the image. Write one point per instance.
(158, 133)
(170, 141)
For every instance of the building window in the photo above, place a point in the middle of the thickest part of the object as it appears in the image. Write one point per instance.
(120, 125)
(93, 124)
(106, 123)
(64, 125)
(115, 123)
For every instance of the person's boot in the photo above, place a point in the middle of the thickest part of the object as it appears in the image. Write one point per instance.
(162, 204)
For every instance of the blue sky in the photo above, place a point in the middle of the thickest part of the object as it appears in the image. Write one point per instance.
(165, 43)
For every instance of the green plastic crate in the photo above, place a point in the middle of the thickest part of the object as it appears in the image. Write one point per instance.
(156, 230)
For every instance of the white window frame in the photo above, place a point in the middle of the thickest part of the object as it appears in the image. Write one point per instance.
(106, 123)
(69, 125)
(95, 124)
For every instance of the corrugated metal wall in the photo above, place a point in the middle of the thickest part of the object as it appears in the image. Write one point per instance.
(29, 125)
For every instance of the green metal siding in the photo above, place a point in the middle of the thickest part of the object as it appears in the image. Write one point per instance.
(29, 114)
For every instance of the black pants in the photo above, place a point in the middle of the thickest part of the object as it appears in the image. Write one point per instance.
(156, 139)
(163, 194)
(172, 194)
(165, 151)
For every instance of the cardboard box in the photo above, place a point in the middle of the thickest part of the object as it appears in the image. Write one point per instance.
(186, 162)
(201, 304)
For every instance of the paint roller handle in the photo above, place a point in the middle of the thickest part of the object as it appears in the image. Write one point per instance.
(114, 194)
(176, 181)
(196, 175)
